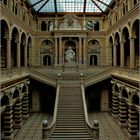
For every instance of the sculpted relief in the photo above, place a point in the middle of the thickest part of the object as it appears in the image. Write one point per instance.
(70, 22)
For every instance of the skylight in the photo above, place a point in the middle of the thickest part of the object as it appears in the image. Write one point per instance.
(46, 6)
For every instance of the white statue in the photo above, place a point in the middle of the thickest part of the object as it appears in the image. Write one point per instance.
(70, 56)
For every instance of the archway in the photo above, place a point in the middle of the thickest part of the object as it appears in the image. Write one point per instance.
(93, 52)
(14, 42)
(4, 37)
(29, 50)
(125, 37)
(4, 100)
(111, 47)
(47, 60)
(135, 34)
(117, 45)
(22, 49)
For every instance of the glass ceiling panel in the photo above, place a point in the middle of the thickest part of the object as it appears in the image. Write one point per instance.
(69, 5)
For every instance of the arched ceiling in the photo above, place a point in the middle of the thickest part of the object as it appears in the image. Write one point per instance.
(69, 6)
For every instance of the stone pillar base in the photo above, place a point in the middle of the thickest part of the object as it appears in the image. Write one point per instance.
(114, 116)
(18, 125)
(25, 116)
(133, 137)
(11, 137)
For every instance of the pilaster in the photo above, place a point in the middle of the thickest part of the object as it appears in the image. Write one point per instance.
(17, 112)
(56, 51)
(8, 124)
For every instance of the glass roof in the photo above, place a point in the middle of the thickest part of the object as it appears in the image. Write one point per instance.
(46, 6)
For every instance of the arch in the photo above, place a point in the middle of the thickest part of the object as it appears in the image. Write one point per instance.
(47, 60)
(16, 9)
(5, 100)
(125, 38)
(15, 94)
(4, 44)
(29, 48)
(22, 49)
(124, 94)
(96, 25)
(135, 100)
(93, 52)
(24, 89)
(111, 46)
(43, 26)
(117, 45)
(14, 44)
(5, 2)
(116, 89)
(136, 36)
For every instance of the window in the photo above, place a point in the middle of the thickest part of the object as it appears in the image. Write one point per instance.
(96, 25)
(5, 2)
(23, 16)
(123, 8)
(135, 2)
(90, 25)
(16, 9)
(43, 26)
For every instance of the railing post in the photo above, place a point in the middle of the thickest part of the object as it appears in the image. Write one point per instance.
(96, 130)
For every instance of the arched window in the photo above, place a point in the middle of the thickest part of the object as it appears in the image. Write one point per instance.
(16, 9)
(96, 25)
(43, 26)
(90, 25)
(23, 16)
(135, 2)
(123, 8)
(5, 2)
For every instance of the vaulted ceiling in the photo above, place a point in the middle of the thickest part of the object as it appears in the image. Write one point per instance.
(69, 6)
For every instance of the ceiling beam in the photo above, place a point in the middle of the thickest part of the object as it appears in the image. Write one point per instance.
(55, 6)
(85, 2)
(36, 3)
(103, 3)
(42, 6)
(97, 5)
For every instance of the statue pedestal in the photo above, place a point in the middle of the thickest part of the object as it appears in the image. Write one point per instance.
(70, 67)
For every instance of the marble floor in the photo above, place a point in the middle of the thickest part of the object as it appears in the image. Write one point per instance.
(32, 129)
(109, 128)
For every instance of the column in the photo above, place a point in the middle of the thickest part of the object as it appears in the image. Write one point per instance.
(115, 55)
(25, 55)
(132, 123)
(84, 52)
(80, 50)
(132, 51)
(8, 40)
(60, 50)
(8, 123)
(56, 51)
(115, 105)
(18, 55)
(25, 106)
(17, 112)
(122, 113)
(122, 53)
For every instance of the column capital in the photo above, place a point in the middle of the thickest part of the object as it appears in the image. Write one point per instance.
(122, 41)
(8, 37)
(132, 37)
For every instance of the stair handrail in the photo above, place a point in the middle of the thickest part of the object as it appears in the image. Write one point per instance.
(91, 129)
(102, 73)
(48, 77)
(49, 129)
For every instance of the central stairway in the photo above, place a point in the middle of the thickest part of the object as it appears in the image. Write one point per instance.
(70, 120)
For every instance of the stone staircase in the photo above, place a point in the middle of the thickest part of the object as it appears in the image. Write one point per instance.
(70, 120)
